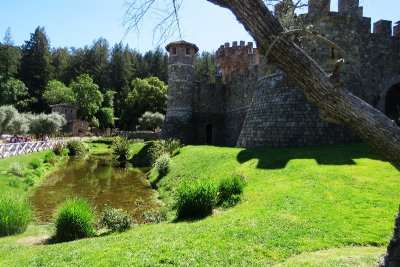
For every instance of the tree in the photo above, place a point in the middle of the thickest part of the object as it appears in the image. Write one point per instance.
(109, 97)
(98, 62)
(57, 92)
(46, 124)
(11, 121)
(205, 68)
(87, 95)
(9, 56)
(106, 118)
(14, 92)
(36, 69)
(149, 94)
(61, 60)
(151, 121)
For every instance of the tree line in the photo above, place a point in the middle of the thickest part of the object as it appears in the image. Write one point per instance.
(34, 76)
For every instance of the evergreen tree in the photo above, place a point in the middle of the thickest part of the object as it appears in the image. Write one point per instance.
(10, 56)
(36, 69)
(98, 63)
(205, 68)
(61, 59)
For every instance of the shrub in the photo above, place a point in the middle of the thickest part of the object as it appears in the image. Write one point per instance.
(17, 169)
(50, 157)
(162, 164)
(14, 182)
(151, 121)
(160, 147)
(35, 164)
(77, 148)
(196, 199)
(15, 215)
(230, 190)
(154, 216)
(121, 147)
(74, 220)
(116, 219)
(29, 181)
(60, 150)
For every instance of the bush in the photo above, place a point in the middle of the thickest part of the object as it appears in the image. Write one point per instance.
(29, 181)
(230, 190)
(160, 147)
(50, 158)
(154, 216)
(17, 169)
(162, 164)
(15, 215)
(74, 220)
(196, 199)
(35, 164)
(116, 219)
(14, 182)
(77, 148)
(60, 150)
(151, 121)
(121, 148)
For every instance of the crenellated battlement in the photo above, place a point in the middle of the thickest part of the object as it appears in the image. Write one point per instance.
(236, 58)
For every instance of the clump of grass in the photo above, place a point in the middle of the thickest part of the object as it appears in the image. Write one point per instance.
(154, 216)
(17, 169)
(50, 158)
(162, 164)
(121, 148)
(161, 147)
(14, 182)
(230, 190)
(35, 164)
(116, 219)
(196, 199)
(60, 150)
(15, 215)
(77, 148)
(74, 220)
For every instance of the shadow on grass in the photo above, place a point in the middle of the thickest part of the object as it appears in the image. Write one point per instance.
(142, 158)
(336, 155)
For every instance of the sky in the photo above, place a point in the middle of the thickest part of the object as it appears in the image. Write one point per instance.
(76, 23)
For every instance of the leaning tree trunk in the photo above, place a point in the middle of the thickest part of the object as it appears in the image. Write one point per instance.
(334, 102)
(392, 257)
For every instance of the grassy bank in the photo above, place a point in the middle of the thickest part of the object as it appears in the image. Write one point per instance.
(332, 206)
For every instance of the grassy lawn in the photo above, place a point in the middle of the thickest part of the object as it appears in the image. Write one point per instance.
(5, 177)
(331, 206)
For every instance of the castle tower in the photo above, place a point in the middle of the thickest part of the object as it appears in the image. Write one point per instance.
(178, 118)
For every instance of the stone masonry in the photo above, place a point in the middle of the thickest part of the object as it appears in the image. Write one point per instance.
(254, 104)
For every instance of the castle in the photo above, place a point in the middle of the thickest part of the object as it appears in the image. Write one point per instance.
(254, 104)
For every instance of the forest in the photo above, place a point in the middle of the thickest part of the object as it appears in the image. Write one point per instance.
(118, 81)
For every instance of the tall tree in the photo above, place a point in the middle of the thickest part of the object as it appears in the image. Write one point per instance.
(10, 56)
(60, 60)
(88, 96)
(205, 68)
(14, 92)
(57, 92)
(36, 69)
(98, 62)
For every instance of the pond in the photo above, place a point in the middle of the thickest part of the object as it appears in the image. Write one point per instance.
(100, 182)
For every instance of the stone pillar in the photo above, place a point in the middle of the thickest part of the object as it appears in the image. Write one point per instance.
(383, 27)
(351, 7)
(178, 118)
(318, 7)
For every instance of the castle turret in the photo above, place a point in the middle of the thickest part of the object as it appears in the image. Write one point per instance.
(180, 91)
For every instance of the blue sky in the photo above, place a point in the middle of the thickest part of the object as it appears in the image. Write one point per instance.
(76, 23)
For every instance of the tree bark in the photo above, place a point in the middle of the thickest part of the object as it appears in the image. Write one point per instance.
(392, 257)
(334, 102)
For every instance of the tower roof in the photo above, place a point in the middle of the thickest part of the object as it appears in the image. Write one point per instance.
(182, 43)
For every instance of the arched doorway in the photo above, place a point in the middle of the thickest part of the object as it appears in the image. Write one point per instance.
(209, 134)
(392, 102)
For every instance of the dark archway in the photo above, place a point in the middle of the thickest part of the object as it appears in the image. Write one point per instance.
(392, 102)
(209, 134)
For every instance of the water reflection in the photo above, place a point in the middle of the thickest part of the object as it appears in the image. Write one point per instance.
(97, 180)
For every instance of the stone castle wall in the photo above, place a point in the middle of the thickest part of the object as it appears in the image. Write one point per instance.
(253, 104)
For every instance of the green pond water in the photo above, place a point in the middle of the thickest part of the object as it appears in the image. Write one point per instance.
(100, 182)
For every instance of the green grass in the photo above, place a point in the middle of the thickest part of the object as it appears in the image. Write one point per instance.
(5, 177)
(332, 206)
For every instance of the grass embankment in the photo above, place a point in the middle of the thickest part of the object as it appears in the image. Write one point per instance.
(301, 207)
